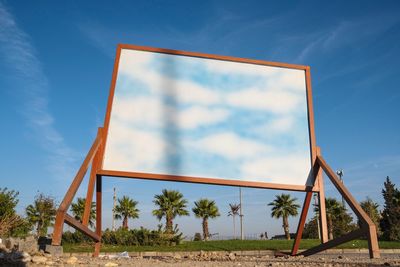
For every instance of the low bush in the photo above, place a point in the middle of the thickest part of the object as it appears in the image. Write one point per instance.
(126, 237)
(197, 237)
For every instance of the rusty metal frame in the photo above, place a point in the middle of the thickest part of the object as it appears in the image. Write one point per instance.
(208, 180)
(367, 228)
(315, 183)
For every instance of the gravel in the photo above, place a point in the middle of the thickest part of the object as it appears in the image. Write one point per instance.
(204, 259)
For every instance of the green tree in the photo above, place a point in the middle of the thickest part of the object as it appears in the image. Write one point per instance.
(339, 221)
(333, 211)
(390, 222)
(79, 207)
(282, 207)
(42, 213)
(234, 211)
(371, 208)
(205, 209)
(125, 209)
(170, 204)
(311, 229)
(8, 201)
(10, 222)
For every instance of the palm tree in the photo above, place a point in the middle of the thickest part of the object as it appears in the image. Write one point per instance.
(79, 207)
(125, 209)
(170, 204)
(371, 208)
(41, 213)
(282, 207)
(334, 209)
(233, 212)
(205, 209)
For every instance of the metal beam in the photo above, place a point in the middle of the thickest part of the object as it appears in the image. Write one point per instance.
(71, 221)
(334, 242)
(62, 209)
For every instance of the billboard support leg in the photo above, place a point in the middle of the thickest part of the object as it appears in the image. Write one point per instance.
(66, 202)
(302, 221)
(91, 185)
(367, 225)
(98, 214)
(304, 211)
(323, 225)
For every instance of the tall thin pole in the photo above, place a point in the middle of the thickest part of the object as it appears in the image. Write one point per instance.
(317, 214)
(113, 210)
(340, 173)
(241, 215)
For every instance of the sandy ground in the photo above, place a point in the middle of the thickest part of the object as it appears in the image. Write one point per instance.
(228, 260)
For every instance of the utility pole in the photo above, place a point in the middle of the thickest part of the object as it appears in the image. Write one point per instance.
(113, 210)
(241, 215)
(317, 214)
(340, 173)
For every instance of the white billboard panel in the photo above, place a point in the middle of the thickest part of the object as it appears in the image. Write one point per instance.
(209, 118)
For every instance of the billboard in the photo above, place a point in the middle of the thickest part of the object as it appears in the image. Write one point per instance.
(200, 118)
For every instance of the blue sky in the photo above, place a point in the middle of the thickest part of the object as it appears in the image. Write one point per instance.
(56, 60)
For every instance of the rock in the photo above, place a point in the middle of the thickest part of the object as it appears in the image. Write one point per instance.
(3, 248)
(111, 264)
(202, 253)
(177, 256)
(18, 256)
(39, 259)
(50, 263)
(232, 256)
(11, 243)
(54, 250)
(29, 244)
(72, 260)
(386, 264)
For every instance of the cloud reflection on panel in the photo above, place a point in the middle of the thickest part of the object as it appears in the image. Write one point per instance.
(208, 118)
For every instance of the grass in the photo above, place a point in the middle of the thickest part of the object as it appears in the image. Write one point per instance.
(225, 245)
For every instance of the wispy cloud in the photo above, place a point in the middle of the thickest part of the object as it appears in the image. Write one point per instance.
(31, 87)
(345, 33)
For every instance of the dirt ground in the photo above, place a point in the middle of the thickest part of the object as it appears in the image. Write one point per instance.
(229, 260)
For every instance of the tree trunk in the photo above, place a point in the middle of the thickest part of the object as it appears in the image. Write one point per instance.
(330, 227)
(286, 227)
(205, 229)
(39, 229)
(168, 225)
(125, 222)
(234, 227)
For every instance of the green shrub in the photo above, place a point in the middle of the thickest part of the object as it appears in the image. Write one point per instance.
(75, 237)
(197, 237)
(125, 237)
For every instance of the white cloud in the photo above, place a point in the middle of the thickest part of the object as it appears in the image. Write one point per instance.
(288, 169)
(150, 111)
(236, 68)
(135, 65)
(198, 116)
(290, 80)
(130, 149)
(279, 125)
(276, 101)
(32, 85)
(138, 111)
(276, 77)
(230, 146)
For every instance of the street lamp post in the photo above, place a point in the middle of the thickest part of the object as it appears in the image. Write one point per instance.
(340, 173)
(241, 215)
(317, 214)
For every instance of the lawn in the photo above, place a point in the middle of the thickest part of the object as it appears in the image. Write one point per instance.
(225, 245)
